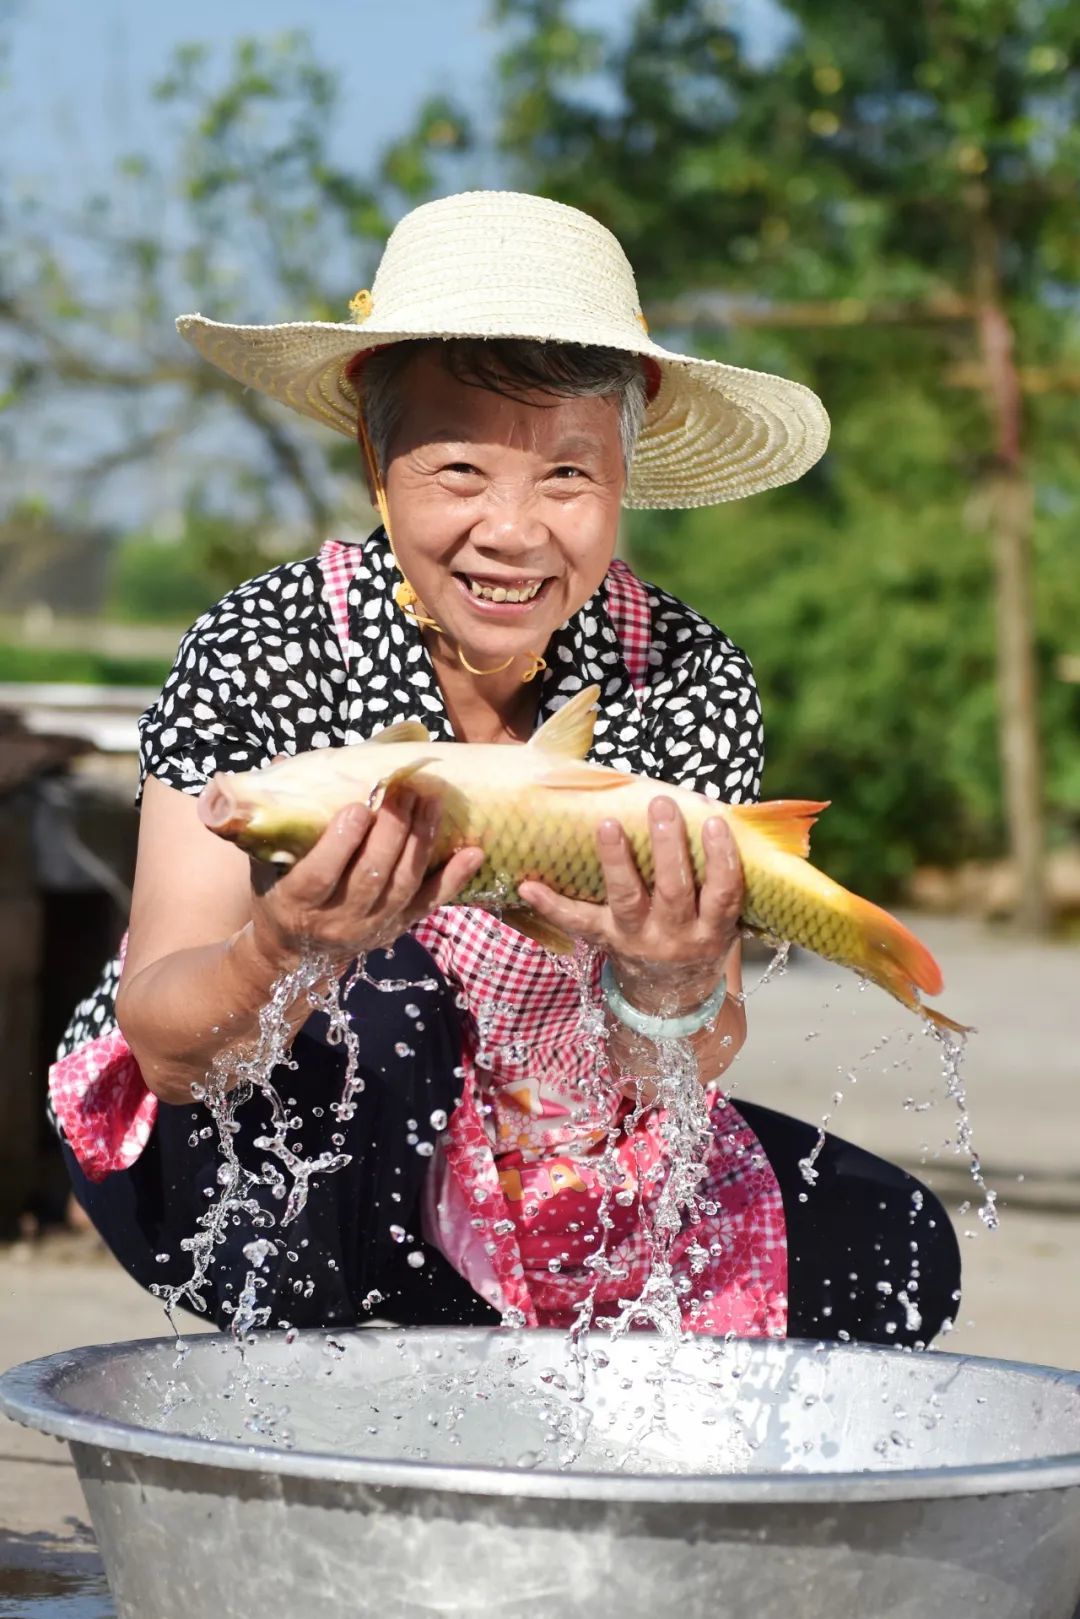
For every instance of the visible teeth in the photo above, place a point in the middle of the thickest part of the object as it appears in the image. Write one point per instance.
(500, 593)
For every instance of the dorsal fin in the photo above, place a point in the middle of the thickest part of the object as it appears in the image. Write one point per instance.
(403, 731)
(784, 822)
(570, 731)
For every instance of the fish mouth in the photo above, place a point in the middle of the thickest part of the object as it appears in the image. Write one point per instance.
(220, 810)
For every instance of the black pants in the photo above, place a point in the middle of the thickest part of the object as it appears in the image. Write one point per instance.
(866, 1232)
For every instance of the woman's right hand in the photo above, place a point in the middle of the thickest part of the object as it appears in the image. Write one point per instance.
(362, 885)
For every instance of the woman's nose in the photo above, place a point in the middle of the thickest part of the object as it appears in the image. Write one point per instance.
(511, 527)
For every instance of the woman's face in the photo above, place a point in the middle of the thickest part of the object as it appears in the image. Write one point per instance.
(489, 496)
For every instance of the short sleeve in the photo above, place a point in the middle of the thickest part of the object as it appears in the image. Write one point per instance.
(702, 700)
(260, 674)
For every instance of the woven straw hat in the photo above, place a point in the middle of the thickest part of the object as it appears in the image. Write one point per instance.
(504, 264)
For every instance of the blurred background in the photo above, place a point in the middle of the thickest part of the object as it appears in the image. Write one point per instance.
(878, 200)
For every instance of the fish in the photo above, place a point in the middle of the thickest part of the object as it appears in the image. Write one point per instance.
(534, 809)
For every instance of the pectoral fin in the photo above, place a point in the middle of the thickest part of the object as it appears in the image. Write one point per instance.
(383, 789)
(570, 731)
(534, 927)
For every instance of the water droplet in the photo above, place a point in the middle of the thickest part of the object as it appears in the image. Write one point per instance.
(416, 1259)
(258, 1252)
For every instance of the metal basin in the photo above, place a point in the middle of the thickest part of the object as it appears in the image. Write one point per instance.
(470, 1472)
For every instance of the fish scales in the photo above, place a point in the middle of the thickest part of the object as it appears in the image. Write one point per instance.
(556, 846)
(773, 906)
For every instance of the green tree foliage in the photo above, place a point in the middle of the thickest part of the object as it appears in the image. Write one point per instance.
(840, 210)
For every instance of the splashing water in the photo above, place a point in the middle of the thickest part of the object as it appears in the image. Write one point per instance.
(952, 1057)
(233, 1079)
(686, 1135)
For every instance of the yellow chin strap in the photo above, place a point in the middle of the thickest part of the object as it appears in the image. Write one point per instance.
(405, 596)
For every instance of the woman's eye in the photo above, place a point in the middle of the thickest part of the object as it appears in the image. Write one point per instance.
(567, 472)
(462, 467)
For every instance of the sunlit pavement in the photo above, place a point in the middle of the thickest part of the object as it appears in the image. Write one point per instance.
(1021, 1074)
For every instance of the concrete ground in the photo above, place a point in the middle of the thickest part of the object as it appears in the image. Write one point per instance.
(814, 1035)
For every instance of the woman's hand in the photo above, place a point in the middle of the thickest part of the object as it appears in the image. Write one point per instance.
(362, 885)
(667, 949)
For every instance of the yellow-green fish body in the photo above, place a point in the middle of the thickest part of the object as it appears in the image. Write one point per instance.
(535, 810)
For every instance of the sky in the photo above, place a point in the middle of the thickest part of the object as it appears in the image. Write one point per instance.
(79, 70)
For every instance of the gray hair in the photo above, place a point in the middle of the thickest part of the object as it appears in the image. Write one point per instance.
(511, 367)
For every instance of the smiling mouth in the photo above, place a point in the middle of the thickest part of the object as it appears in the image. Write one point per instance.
(517, 591)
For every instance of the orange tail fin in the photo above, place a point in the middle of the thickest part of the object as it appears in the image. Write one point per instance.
(900, 962)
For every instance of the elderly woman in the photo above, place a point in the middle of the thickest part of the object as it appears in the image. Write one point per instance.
(508, 401)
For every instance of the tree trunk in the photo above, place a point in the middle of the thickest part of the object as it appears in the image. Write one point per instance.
(1021, 760)
(1011, 514)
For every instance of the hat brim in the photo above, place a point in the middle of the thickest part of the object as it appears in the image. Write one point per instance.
(712, 432)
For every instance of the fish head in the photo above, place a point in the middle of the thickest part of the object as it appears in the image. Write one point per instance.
(278, 813)
(261, 815)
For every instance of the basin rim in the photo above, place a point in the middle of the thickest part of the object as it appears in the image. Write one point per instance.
(27, 1396)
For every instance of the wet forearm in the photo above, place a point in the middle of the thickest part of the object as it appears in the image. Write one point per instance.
(193, 1006)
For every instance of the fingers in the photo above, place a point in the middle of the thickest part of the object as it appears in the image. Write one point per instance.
(626, 894)
(316, 877)
(580, 919)
(393, 862)
(722, 891)
(374, 865)
(445, 884)
(674, 890)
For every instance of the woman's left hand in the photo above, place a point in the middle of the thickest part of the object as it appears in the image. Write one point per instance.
(673, 938)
